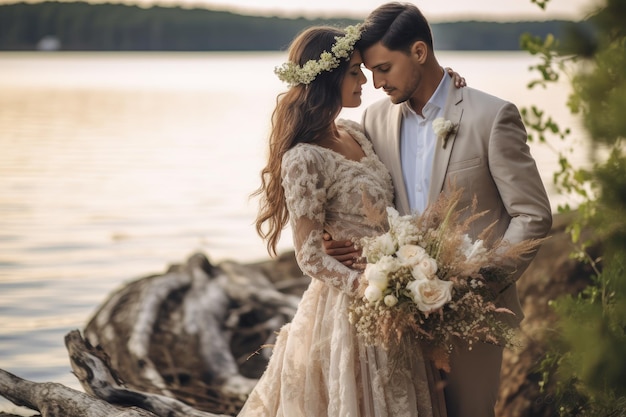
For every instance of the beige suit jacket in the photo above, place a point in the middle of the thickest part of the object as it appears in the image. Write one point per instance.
(487, 156)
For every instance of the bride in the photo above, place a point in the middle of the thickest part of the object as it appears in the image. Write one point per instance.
(322, 175)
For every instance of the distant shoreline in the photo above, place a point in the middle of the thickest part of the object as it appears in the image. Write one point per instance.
(81, 26)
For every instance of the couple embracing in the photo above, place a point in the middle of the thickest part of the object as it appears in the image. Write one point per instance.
(323, 173)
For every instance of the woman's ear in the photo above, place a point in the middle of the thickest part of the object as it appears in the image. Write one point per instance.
(420, 50)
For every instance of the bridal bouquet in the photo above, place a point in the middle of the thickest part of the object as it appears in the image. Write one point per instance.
(425, 277)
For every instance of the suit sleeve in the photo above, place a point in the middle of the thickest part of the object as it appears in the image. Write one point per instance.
(517, 179)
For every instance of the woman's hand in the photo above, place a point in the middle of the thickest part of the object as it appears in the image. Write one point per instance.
(459, 82)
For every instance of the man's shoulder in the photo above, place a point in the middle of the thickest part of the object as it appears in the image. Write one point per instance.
(476, 94)
(380, 109)
(379, 105)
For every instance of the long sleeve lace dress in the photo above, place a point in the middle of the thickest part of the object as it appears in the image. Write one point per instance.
(318, 367)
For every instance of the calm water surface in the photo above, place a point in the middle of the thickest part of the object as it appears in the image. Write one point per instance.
(115, 165)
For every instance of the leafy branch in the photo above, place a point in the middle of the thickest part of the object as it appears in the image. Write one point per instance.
(585, 367)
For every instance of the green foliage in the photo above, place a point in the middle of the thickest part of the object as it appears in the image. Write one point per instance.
(599, 364)
(540, 3)
(551, 64)
(585, 366)
(602, 93)
(575, 182)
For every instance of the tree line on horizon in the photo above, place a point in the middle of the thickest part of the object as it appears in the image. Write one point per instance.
(81, 26)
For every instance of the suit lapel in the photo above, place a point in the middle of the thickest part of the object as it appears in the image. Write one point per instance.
(453, 111)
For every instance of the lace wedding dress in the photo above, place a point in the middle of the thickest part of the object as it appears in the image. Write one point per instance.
(318, 367)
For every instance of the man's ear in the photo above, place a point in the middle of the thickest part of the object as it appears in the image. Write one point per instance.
(419, 49)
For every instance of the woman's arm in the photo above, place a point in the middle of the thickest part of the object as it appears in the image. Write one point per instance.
(306, 184)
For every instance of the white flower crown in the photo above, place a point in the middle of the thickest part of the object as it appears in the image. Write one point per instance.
(294, 74)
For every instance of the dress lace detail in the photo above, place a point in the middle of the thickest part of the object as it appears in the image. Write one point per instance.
(319, 368)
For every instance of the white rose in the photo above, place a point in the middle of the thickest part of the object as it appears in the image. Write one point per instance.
(390, 300)
(409, 255)
(430, 295)
(425, 269)
(376, 276)
(373, 293)
(418, 273)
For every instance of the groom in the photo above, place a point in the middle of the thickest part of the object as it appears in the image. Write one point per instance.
(485, 153)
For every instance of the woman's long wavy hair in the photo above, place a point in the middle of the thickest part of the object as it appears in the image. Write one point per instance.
(304, 113)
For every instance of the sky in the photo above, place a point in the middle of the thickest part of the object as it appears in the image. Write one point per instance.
(435, 10)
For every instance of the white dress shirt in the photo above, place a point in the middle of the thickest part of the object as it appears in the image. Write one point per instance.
(417, 145)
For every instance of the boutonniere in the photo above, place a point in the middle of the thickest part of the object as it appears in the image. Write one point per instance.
(443, 129)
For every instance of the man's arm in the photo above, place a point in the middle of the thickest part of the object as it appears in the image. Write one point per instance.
(519, 183)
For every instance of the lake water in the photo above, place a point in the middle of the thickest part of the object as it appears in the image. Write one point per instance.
(115, 165)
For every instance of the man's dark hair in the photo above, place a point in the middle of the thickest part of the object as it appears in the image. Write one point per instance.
(397, 26)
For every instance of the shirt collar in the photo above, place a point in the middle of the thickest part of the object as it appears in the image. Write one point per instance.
(436, 102)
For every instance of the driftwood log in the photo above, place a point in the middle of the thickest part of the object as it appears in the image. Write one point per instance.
(190, 341)
(196, 332)
(52, 399)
